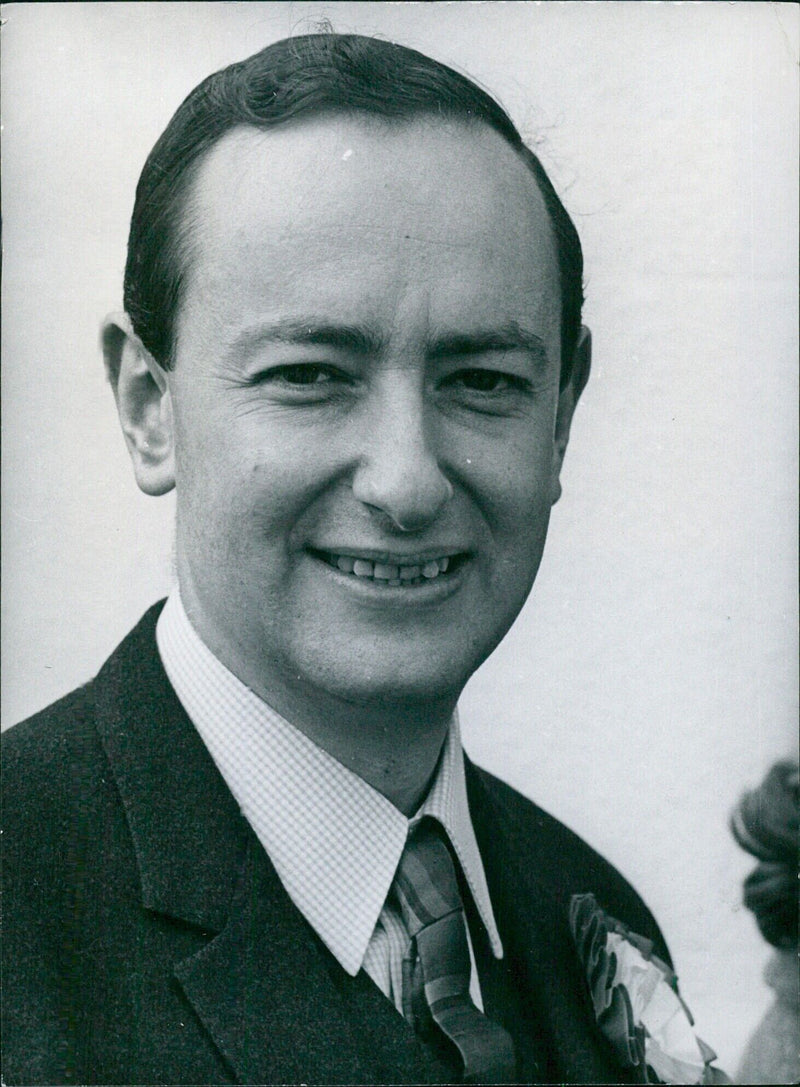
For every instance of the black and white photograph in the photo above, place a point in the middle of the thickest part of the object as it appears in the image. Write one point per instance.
(400, 546)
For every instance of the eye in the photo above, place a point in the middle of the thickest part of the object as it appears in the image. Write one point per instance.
(301, 374)
(303, 383)
(482, 390)
(479, 380)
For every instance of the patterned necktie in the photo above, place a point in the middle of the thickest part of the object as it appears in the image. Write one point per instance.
(436, 970)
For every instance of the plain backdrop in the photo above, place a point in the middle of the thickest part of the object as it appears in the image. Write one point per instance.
(652, 676)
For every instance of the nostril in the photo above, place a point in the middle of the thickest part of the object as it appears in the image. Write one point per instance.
(410, 498)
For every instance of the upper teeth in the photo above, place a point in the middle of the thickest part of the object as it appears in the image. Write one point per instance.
(393, 572)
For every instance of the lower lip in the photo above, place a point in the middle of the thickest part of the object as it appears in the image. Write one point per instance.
(379, 592)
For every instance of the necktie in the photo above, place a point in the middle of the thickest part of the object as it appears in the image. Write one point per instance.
(436, 970)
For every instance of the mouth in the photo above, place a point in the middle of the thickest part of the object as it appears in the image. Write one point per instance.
(394, 570)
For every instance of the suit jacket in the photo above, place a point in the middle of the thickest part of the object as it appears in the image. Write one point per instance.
(148, 938)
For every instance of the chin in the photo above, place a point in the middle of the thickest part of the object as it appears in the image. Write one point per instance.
(395, 682)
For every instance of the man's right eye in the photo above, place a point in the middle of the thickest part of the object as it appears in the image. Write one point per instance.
(301, 374)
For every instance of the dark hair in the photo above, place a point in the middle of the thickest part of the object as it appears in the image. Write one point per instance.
(765, 823)
(296, 78)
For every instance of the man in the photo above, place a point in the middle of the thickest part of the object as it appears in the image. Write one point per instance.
(252, 850)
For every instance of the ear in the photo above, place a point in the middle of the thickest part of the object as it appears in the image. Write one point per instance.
(567, 399)
(143, 404)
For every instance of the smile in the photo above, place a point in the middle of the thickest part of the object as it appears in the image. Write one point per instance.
(393, 573)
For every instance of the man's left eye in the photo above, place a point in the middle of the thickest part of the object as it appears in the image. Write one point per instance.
(485, 381)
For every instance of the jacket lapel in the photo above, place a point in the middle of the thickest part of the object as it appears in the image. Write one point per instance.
(187, 832)
(538, 990)
(273, 1000)
(262, 990)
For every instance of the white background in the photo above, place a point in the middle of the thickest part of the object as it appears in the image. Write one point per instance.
(652, 675)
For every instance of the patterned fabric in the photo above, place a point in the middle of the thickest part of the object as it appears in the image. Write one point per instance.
(437, 965)
(335, 841)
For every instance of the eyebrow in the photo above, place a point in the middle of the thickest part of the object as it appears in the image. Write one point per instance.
(508, 337)
(364, 341)
(311, 332)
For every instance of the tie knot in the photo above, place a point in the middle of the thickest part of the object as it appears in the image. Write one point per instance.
(426, 883)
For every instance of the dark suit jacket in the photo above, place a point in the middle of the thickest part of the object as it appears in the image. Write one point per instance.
(148, 938)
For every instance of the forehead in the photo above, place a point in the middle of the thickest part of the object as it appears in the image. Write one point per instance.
(371, 218)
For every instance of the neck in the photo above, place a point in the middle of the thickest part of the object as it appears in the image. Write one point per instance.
(394, 747)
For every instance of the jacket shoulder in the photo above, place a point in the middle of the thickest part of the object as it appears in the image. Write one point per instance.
(61, 741)
(46, 757)
(46, 734)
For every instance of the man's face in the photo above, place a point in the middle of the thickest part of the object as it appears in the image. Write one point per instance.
(364, 399)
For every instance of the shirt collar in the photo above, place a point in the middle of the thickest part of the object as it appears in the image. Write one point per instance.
(335, 841)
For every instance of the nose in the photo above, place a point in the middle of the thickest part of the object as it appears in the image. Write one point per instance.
(398, 471)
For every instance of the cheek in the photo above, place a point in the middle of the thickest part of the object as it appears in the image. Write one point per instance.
(523, 516)
(231, 460)
(515, 481)
(516, 498)
(285, 481)
(274, 494)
